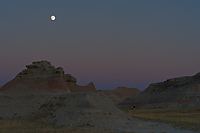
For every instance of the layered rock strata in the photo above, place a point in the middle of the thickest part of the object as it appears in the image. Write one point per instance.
(181, 92)
(42, 77)
(121, 93)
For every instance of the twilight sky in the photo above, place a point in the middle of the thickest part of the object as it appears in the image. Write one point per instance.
(113, 43)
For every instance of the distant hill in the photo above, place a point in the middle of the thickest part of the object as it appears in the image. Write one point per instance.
(42, 77)
(181, 92)
(77, 88)
(120, 93)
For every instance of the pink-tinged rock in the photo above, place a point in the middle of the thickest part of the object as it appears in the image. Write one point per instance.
(42, 77)
(88, 88)
(121, 93)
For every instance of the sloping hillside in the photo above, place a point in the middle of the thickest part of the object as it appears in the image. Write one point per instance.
(120, 93)
(81, 110)
(77, 88)
(42, 77)
(181, 92)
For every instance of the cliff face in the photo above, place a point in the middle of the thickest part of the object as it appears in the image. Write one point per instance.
(40, 77)
(182, 92)
(42, 69)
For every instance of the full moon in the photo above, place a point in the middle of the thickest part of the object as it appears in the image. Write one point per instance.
(53, 17)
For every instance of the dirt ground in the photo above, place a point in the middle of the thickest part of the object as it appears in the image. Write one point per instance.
(78, 110)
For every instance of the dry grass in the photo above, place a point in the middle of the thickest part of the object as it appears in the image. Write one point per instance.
(185, 118)
(17, 125)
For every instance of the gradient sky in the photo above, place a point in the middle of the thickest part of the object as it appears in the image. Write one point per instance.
(113, 43)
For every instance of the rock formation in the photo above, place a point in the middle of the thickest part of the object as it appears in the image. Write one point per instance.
(45, 69)
(181, 92)
(77, 88)
(93, 112)
(120, 93)
(41, 77)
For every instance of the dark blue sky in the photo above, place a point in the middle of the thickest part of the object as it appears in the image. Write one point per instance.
(110, 42)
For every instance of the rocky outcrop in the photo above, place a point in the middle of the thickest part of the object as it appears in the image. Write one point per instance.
(45, 69)
(39, 77)
(69, 79)
(42, 77)
(120, 93)
(181, 92)
(88, 88)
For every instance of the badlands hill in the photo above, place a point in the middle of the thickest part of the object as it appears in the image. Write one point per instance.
(181, 92)
(42, 93)
(121, 93)
(83, 110)
(42, 77)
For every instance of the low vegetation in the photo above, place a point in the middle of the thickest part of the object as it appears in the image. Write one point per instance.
(184, 118)
(61, 104)
(19, 125)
